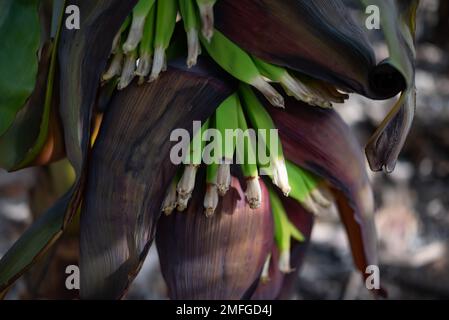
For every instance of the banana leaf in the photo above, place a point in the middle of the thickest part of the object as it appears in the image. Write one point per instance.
(21, 135)
(20, 39)
(319, 38)
(82, 57)
(32, 244)
(35, 137)
(220, 257)
(398, 26)
(130, 171)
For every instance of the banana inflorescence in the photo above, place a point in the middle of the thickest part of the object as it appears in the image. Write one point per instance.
(244, 131)
(244, 135)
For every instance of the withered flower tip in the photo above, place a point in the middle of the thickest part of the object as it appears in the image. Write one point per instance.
(265, 276)
(187, 181)
(319, 196)
(223, 178)
(194, 48)
(210, 200)
(115, 68)
(159, 63)
(253, 192)
(128, 74)
(280, 176)
(270, 93)
(284, 262)
(169, 203)
(144, 66)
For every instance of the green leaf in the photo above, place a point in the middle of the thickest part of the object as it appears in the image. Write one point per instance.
(32, 243)
(20, 39)
(44, 126)
(24, 140)
(22, 134)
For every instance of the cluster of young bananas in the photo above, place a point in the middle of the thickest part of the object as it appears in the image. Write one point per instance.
(238, 113)
(139, 49)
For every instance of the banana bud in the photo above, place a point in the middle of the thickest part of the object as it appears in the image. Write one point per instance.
(219, 258)
(336, 49)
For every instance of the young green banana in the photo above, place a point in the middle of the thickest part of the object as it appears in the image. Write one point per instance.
(170, 202)
(226, 122)
(240, 65)
(301, 189)
(146, 47)
(284, 230)
(139, 16)
(117, 41)
(246, 157)
(290, 84)
(207, 17)
(192, 162)
(314, 184)
(268, 139)
(129, 66)
(166, 11)
(115, 67)
(211, 197)
(189, 16)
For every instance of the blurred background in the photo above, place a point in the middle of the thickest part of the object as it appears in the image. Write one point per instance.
(412, 203)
